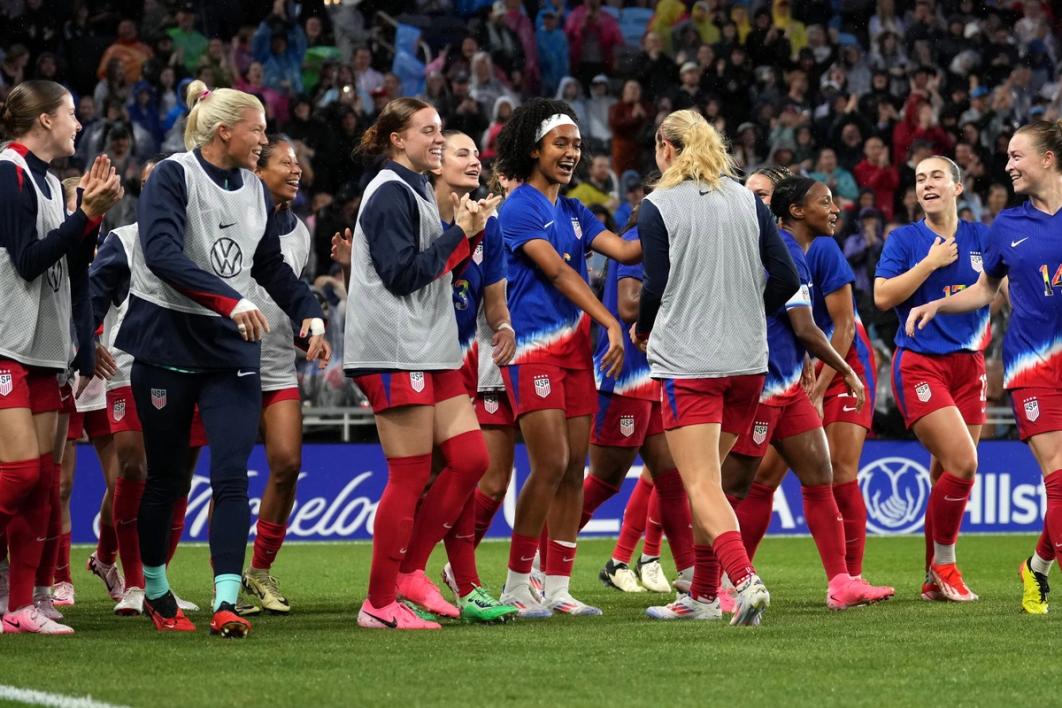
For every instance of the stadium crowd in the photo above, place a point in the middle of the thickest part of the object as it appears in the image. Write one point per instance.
(853, 94)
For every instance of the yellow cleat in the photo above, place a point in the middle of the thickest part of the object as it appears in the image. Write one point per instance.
(1034, 590)
(263, 587)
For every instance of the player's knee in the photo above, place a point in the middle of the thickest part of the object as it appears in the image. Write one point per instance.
(495, 482)
(284, 469)
(66, 485)
(133, 471)
(963, 465)
(818, 474)
(736, 486)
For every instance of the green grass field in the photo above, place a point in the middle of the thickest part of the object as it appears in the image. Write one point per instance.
(903, 652)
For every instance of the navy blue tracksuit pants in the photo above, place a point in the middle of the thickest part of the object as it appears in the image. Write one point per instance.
(230, 404)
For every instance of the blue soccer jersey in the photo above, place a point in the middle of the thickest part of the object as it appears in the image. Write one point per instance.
(550, 329)
(486, 266)
(830, 272)
(785, 353)
(633, 380)
(1025, 244)
(904, 249)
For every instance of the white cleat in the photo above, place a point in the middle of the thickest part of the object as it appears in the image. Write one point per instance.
(538, 583)
(109, 574)
(449, 581)
(63, 594)
(131, 604)
(751, 599)
(523, 599)
(686, 608)
(563, 603)
(42, 600)
(185, 605)
(620, 576)
(652, 575)
(28, 620)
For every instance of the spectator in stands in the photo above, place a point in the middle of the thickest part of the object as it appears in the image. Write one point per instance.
(840, 181)
(597, 110)
(130, 52)
(517, 21)
(500, 115)
(593, 36)
(13, 68)
(485, 86)
(557, 7)
(995, 203)
(793, 29)
(279, 45)
(885, 20)
(767, 45)
(863, 249)
(553, 53)
(189, 43)
(874, 172)
(275, 102)
(627, 119)
(497, 39)
(667, 14)
(465, 114)
(746, 147)
(688, 93)
(600, 188)
(144, 111)
(633, 190)
(219, 63)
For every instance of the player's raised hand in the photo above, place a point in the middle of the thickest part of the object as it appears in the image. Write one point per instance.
(342, 245)
(942, 253)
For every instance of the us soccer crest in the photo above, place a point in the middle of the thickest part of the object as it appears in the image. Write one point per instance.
(158, 398)
(490, 403)
(627, 425)
(976, 262)
(1032, 409)
(542, 387)
(119, 410)
(416, 380)
(577, 228)
(6, 383)
(477, 255)
(923, 392)
(759, 432)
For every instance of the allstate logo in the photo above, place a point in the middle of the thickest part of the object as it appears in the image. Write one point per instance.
(896, 491)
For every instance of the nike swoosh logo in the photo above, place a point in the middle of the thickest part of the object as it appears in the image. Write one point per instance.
(1015, 244)
(245, 373)
(567, 560)
(225, 226)
(403, 551)
(547, 224)
(42, 539)
(471, 535)
(448, 526)
(527, 558)
(17, 624)
(393, 623)
(958, 499)
(846, 409)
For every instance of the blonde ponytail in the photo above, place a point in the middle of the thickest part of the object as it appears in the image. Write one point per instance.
(209, 109)
(702, 152)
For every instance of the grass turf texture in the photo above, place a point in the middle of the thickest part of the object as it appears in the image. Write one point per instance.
(902, 652)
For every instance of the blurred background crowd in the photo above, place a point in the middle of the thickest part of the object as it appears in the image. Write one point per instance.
(851, 92)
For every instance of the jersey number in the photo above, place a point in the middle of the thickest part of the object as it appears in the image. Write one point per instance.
(984, 387)
(1050, 283)
(953, 289)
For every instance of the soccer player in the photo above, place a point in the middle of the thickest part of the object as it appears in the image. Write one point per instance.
(713, 260)
(1024, 247)
(279, 170)
(550, 382)
(938, 376)
(207, 229)
(44, 254)
(401, 347)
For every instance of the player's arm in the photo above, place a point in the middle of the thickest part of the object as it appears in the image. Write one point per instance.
(617, 248)
(782, 277)
(890, 292)
(496, 310)
(656, 262)
(629, 295)
(978, 295)
(815, 341)
(84, 329)
(842, 313)
(108, 278)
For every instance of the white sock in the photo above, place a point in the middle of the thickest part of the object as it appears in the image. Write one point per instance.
(1039, 565)
(556, 584)
(686, 574)
(41, 592)
(617, 561)
(536, 564)
(649, 559)
(514, 580)
(725, 583)
(943, 553)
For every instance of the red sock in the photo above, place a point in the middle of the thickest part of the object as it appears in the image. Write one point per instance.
(826, 526)
(948, 502)
(595, 493)
(107, 545)
(180, 508)
(675, 518)
(461, 549)
(754, 516)
(853, 509)
(1053, 518)
(125, 508)
(62, 568)
(928, 533)
(730, 550)
(3, 541)
(1044, 548)
(654, 528)
(17, 480)
(633, 521)
(706, 571)
(522, 552)
(466, 461)
(561, 558)
(543, 546)
(267, 542)
(29, 523)
(485, 507)
(54, 529)
(406, 477)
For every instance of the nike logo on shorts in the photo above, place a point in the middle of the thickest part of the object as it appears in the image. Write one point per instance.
(241, 374)
(846, 409)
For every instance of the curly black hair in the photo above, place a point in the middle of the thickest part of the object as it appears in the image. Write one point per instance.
(790, 191)
(517, 139)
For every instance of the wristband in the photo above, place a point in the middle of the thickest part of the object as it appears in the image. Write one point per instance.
(505, 325)
(244, 305)
(317, 327)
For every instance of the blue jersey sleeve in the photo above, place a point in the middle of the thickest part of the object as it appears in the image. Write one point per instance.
(829, 268)
(494, 261)
(629, 271)
(523, 220)
(895, 258)
(656, 260)
(994, 263)
(108, 278)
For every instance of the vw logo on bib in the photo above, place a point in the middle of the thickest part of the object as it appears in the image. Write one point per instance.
(896, 491)
(226, 258)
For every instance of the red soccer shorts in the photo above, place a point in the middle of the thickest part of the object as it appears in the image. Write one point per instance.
(728, 400)
(121, 411)
(923, 383)
(493, 408)
(95, 423)
(622, 421)
(1036, 410)
(284, 394)
(32, 387)
(537, 387)
(774, 423)
(410, 388)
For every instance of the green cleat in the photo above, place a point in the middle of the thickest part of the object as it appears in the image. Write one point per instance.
(420, 612)
(265, 589)
(479, 606)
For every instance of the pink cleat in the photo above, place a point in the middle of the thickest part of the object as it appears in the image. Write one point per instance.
(876, 593)
(109, 574)
(727, 603)
(393, 616)
(29, 620)
(845, 591)
(416, 587)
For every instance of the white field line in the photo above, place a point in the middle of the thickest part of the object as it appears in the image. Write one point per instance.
(31, 697)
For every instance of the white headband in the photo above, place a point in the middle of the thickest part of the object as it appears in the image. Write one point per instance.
(554, 121)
